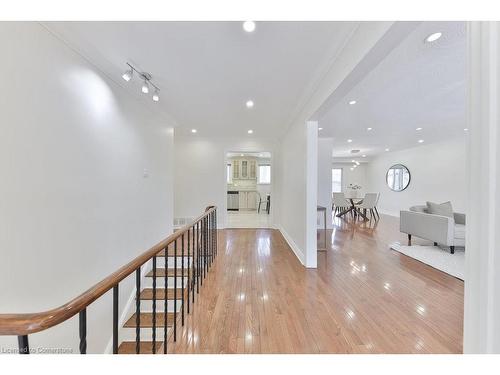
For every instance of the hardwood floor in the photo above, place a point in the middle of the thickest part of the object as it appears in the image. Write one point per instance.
(363, 298)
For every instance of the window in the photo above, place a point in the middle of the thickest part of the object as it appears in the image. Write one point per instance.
(229, 174)
(336, 180)
(264, 176)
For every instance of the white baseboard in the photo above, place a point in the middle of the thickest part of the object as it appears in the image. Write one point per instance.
(390, 213)
(296, 250)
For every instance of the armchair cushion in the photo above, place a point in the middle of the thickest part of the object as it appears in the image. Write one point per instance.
(459, 231)
(443, 209)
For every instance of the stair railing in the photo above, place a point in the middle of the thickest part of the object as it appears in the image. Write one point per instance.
(200, 236)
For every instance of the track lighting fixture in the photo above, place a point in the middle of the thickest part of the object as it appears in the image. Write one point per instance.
(127, 76)
(145, 87)
(146, 77)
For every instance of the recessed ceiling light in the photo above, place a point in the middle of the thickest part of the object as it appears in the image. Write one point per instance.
(420, 141)
(250, 131)
(466, 130)
(193, 130)
(352, 168)
(352, 161)
(364, 156)
(352, 102)
(386, 149)
(369, 129)
(320, 128)
(433, 37)
(249, 26)
(349, 140)
(242, 155)
(249, 104)
(418, 129)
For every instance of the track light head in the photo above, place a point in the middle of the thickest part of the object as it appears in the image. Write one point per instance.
(145, 87)
(156, 96)
(127, 76)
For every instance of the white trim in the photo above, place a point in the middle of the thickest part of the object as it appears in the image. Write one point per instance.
(296, 250)
(482, 262)
(311, 194)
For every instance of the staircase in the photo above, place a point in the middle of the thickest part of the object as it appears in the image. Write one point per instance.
(167, 278)
(179, 278)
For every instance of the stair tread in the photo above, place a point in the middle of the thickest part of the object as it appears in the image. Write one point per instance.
(160, 272)
(147, 293)
(146, 347)
(147, 320)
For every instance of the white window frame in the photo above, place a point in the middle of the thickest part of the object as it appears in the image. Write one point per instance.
(258, 174)
(341, 179)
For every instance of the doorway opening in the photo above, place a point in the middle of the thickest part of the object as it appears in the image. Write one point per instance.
(248, 189)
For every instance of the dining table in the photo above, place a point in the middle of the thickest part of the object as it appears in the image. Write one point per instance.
(353, 199)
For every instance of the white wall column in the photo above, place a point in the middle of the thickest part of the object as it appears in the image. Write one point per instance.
(482, 284)
(325, 148)
(311, 194)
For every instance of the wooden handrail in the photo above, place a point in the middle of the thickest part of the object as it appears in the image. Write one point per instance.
(28, 323)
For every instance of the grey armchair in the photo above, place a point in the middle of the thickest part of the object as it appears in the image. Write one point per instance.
(442, 230)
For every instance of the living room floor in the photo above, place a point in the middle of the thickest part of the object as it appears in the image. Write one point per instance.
(363, 298)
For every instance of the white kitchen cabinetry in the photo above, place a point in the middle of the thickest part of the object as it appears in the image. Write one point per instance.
(248, 200)
(236, 169)
(244, 169)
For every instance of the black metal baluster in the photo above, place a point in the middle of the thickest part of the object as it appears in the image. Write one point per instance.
(188, 264)
(138, 310)
(205, 231)
(216, 234)
(165, 310)
(211, 238)
(154, 305)
(199, 238)
(209, 242)
(115, 319)
(83, 331)
(182, 279)
(193, 283)
(175, 290)
(22, 342)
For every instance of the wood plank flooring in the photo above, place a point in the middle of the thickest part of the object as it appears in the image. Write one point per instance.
(363, 298)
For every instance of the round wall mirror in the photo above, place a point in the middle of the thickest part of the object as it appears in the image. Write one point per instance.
(398, 177)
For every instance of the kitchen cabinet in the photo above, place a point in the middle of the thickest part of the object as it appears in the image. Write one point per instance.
(244, 169)
(247, 200)
(236, 169)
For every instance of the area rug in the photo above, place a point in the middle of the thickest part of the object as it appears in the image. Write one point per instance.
(437, 257)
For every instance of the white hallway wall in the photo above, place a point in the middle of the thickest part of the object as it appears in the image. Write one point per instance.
(200, 171)
(438, 174)
(75, 205)
(297, 217)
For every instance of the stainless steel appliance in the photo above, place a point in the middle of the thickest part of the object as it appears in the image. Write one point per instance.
(233, 200)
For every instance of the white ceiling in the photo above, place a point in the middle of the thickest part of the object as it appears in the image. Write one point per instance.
(418, 84)
(208, 70)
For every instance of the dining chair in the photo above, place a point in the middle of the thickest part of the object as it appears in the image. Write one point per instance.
(339, 202)
(369, 203)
